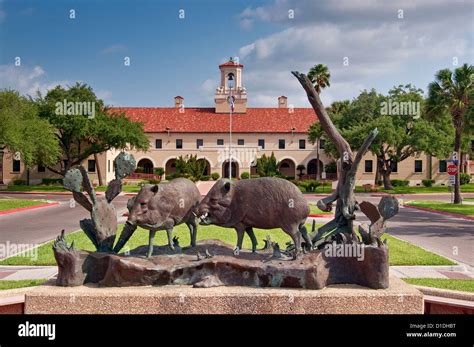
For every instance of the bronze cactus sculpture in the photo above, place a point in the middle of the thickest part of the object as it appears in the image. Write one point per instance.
(101, 228)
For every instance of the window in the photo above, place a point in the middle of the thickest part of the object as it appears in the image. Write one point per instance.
(394, 166)
(418, 165)
(16, 166)
(281, 144)
(261, 143)
(302, 144)
(369, 166)
(240, 142)
(220, 142)
(322, 143)
(199, 143)
(442, 165)
(91, 165)
(284, 165)
(108, 165)
(158, 144)
(41, 168)
(179, 143)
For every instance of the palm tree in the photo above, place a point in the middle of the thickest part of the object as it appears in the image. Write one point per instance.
(319, 75)
(453, 94)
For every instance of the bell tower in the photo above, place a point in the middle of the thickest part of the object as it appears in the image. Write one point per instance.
(231, 85)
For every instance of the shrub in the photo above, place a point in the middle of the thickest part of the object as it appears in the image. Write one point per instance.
(153, 181)
(400, 183)
(139, 170)
(310, 185)
(290, 178)
(19, 182)
(331, 167)
(159, 171)
(254, 176)
(215, 176)
(464, 178)
(205, 178)
(245, 175)
(170, 176)
(49, 181)
(428, 183)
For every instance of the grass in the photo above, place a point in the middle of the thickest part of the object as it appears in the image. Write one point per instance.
(4, 285)
(443, 283)
(10, 204)
(313, 209)
(469, 199)
(400, 252)
(404, 253)
(467, 210)
(466, 188)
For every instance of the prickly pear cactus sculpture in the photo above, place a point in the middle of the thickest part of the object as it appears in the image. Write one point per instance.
(101, 228)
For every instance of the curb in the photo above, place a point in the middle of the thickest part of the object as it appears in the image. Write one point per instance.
(321, 215)
(451, 214)
(21, 209)
(42, 193)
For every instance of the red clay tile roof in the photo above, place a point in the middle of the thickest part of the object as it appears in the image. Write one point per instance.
(205, 120)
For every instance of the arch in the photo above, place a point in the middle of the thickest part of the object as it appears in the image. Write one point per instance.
(287, 167)
(146, 165)
(235, 169)
(169, 166)
(207, 169)
(312, 167)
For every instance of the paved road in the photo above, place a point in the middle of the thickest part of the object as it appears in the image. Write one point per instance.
(448, 236)
(43, 224)
(445, 235)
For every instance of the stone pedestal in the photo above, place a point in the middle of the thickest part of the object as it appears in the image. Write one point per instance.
(398, 298)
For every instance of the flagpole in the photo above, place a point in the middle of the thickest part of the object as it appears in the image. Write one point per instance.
(230, 131)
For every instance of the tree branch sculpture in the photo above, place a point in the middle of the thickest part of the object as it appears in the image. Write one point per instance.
(348, 163)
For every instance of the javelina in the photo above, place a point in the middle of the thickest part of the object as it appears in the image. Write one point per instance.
(161, 207)
(264, 203)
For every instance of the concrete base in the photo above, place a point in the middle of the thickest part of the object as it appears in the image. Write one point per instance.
(399, 298)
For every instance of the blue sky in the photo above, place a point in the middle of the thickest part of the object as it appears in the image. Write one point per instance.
(172, 56)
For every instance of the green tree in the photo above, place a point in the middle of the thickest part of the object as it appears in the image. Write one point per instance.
(453, 94)
(23, 132)
(319, 75)
(267, 166)
(190, 167)
(81, 135)
(403, 129)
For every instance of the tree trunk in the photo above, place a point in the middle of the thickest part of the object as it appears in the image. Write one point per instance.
(318, 174)
(97, 166)
(1, 166)
(387, 185)
(346, 204)
(457, 149)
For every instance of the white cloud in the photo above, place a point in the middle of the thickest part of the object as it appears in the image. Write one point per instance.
(117, 48)
(375, 41)
(27, 80)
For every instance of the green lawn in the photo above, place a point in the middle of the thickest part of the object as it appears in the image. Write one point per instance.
(19, 284)
(313, 209)
(467, 210)
(443, 283)
(469, 199)
(401, 252)
(10, 204)
(467, 188)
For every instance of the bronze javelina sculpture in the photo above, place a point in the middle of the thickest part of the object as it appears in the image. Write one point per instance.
(264, 203)
(161, 207)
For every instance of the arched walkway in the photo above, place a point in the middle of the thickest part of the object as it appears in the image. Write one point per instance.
(207, 170)
(145, 165)
(170, 167)
(313, 168)
(235, 169)
(287, 167)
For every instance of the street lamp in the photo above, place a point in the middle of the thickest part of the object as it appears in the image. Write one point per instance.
(230, 84)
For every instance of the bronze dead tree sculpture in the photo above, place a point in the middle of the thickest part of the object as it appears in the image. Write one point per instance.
(342, 226)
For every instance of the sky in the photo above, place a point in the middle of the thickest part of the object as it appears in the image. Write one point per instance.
(365, 43)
